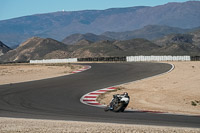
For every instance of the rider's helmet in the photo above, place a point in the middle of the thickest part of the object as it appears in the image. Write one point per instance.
(125, 94)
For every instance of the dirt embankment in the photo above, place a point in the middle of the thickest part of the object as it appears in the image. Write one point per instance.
(15, 73)
(174, 92)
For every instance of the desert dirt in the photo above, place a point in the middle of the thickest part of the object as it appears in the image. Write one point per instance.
(10, 125)
(177, 92)
(15, 73)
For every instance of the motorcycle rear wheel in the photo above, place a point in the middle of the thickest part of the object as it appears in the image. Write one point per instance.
(118, 107)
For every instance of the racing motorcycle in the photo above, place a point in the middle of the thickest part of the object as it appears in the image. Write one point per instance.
(118, 103)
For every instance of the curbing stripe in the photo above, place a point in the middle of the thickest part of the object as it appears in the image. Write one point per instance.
(85, 100)
(90, 97)
(93, 97)
(82, 69)
(102, 90)
(95, 94)
(112, 88)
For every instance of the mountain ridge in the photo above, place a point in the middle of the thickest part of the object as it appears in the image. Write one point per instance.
(186, 38)
(74, 38)
(149, 32)
(58, 25)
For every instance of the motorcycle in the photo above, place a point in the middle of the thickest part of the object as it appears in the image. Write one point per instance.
(118, 103)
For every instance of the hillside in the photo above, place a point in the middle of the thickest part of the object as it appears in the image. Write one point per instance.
(39, 48)
(58, 25)
(196, 37)
(180, 44)
(36, 48)
(149, 32)
(74, 38)
(179, 49)
(187, 38)
(115, 48)
(3, 48)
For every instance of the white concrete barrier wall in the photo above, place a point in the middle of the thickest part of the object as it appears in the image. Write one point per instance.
(157, 58)
(128, 58)
(55, 60)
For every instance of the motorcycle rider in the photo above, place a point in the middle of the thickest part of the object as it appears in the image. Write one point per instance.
(125, 94)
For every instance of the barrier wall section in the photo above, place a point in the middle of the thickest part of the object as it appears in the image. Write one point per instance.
(157, 58)
(54, 60)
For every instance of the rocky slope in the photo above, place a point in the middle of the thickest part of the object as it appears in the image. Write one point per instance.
(149, 32)
(3, 48)
(74, 38)
(180, 44)
(196, 37)
(189, 38)
(114, 48)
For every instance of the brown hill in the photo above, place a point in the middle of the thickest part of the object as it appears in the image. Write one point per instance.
(149, 32)
(39, 48)
(115, 48)
(137, 47)
(196, 37)
(190, 38)
(179, 49)
(73, 39)
(180, 44)
(83, 42)
(36, 48)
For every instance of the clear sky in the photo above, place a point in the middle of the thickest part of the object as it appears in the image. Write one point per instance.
(17, 8)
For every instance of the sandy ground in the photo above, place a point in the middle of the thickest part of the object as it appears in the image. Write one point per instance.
(174, 92)
(10, 125)
(15, 73)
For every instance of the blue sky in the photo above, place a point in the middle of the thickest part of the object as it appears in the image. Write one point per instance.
(17, 8)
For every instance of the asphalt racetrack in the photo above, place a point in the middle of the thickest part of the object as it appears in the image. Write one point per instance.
(59, 98)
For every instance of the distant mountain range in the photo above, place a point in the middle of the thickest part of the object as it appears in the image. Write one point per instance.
(58, 25)
(40, 48)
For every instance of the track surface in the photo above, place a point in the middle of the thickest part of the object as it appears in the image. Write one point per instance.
(58, 98)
